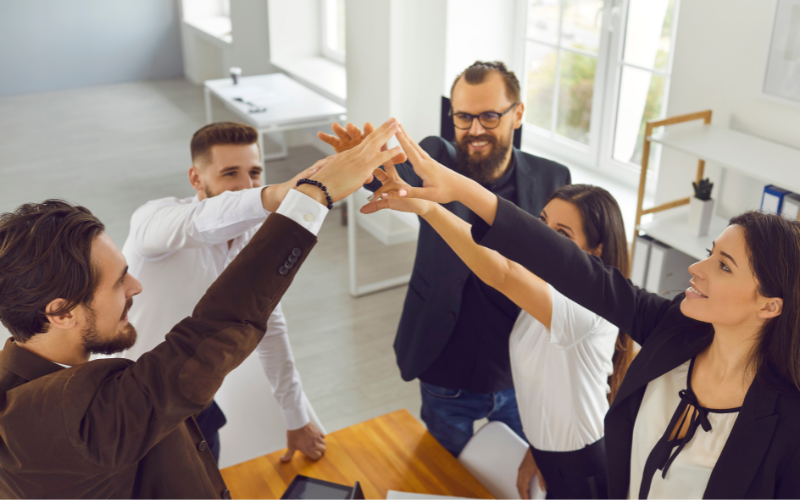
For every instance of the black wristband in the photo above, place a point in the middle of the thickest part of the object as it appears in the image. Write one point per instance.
(321, 186)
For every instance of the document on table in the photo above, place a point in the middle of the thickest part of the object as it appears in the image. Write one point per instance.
(399, 495)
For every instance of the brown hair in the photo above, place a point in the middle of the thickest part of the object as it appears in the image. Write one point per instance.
(45, 254)
(220, 133)
(773, 248)
(478, 71)
(603, 224)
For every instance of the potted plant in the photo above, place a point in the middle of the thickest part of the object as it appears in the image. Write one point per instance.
(701, 207)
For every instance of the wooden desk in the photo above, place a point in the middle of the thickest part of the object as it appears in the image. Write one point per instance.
(392, 452)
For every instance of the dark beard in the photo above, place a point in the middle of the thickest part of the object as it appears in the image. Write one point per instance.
(481, 170)
(123, 340)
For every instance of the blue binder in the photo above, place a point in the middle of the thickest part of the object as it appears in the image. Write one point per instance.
(772, 199)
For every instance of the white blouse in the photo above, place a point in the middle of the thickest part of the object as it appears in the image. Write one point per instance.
(687, 475)
(561, 375)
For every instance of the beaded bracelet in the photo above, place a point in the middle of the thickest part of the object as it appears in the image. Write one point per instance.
(319, 185)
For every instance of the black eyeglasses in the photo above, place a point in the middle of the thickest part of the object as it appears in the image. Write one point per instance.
(487, 119)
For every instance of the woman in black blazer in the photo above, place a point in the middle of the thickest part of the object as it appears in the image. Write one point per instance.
(735, 330)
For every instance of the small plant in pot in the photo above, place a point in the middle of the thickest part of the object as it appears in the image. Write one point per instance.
(701, 208)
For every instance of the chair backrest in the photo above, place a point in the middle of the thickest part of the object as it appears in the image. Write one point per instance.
(493, 456)
(448, 131)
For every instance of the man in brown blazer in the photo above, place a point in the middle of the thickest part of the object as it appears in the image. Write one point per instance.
(112, 428)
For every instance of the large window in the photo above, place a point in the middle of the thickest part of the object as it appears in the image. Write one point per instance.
(333, 33)
(595, 72)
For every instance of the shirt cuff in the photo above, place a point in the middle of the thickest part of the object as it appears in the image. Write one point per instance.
(297, 418)
(304, 210)
(252, 204)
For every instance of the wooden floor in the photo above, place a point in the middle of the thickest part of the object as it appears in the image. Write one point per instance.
(113, 148)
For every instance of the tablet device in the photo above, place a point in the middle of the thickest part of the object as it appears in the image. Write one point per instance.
(309, 487)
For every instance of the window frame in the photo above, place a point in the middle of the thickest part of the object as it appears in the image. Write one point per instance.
(597, 155)
(328, 17)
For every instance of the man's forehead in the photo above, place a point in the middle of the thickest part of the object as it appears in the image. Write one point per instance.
(489, 95)
(106, 255)
(241, 155)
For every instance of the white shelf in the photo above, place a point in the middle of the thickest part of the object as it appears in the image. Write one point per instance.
(670, 227)
(757, 158)
(215, 29)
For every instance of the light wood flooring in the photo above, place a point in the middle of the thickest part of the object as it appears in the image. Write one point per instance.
(113, 148)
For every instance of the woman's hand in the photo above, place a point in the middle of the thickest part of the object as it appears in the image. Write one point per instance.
(527, 470)
(439, 183)
(392, 182)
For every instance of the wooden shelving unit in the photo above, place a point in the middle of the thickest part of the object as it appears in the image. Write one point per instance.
(756, 158)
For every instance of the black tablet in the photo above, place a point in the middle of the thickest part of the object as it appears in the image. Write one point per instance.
(308, 487)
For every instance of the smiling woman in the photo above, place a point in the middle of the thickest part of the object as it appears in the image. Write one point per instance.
(709, 407)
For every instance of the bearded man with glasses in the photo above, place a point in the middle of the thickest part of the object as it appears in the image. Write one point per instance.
(454, 330)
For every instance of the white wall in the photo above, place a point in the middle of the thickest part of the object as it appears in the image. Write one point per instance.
(48, 45)
(295, 20)
(720, 52)
(478, 30)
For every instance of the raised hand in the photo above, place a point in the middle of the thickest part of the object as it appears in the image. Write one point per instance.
(392, 182)
(348, 137)
(350, 169)
(272, 196)
(439, 183)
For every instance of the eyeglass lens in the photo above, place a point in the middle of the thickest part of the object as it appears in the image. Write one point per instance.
(488, 120)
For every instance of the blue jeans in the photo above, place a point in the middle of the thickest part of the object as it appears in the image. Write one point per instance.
(450, 414)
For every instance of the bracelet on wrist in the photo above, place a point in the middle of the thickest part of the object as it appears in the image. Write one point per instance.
(319, 185)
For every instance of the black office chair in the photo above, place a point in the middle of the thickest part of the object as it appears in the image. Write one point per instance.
(448, 131)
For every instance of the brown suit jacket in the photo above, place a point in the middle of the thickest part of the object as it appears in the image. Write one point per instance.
(112, 428)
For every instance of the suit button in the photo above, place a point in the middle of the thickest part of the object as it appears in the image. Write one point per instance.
(292, 259)
(226, 493)
(288, 265)
(297, 252)
(203, 446)
(283, 271)
(459, 283)
(453, 316)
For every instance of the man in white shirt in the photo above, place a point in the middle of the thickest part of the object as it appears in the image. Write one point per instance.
(178, 247)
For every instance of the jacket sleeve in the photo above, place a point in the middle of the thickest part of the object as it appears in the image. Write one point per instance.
(789, 483)
(583, 278)
(163, 226)
(134, 408)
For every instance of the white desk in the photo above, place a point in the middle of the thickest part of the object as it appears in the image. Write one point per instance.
(289, 104)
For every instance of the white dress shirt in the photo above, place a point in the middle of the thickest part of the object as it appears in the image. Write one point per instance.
(561, 375)
(178, 247)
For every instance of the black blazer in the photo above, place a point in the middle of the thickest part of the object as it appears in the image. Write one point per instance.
(761, 458)
(433, 300)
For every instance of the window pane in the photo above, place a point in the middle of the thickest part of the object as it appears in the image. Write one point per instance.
(582, 22)
(648, 34)
(641, 95)
(575, 90)
(340, 32)
(543, 20)
(541, 74)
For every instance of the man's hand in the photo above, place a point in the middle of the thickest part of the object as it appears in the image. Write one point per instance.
(349, 137)
(349, 170)
(272, 196)
(527, 470)
(308, 439)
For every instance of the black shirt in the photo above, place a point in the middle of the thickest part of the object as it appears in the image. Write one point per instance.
(476, 356)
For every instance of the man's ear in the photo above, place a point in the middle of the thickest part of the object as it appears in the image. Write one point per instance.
(770, 307)
(194, 178)
(518, 113)
(66, 321)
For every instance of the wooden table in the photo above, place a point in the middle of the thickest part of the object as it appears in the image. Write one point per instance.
(392, 452)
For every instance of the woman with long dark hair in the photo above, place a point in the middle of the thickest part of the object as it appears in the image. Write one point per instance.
(711, 404)
(566, 362)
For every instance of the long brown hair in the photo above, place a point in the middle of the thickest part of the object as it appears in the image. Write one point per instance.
(603, 224)
(773, 248)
